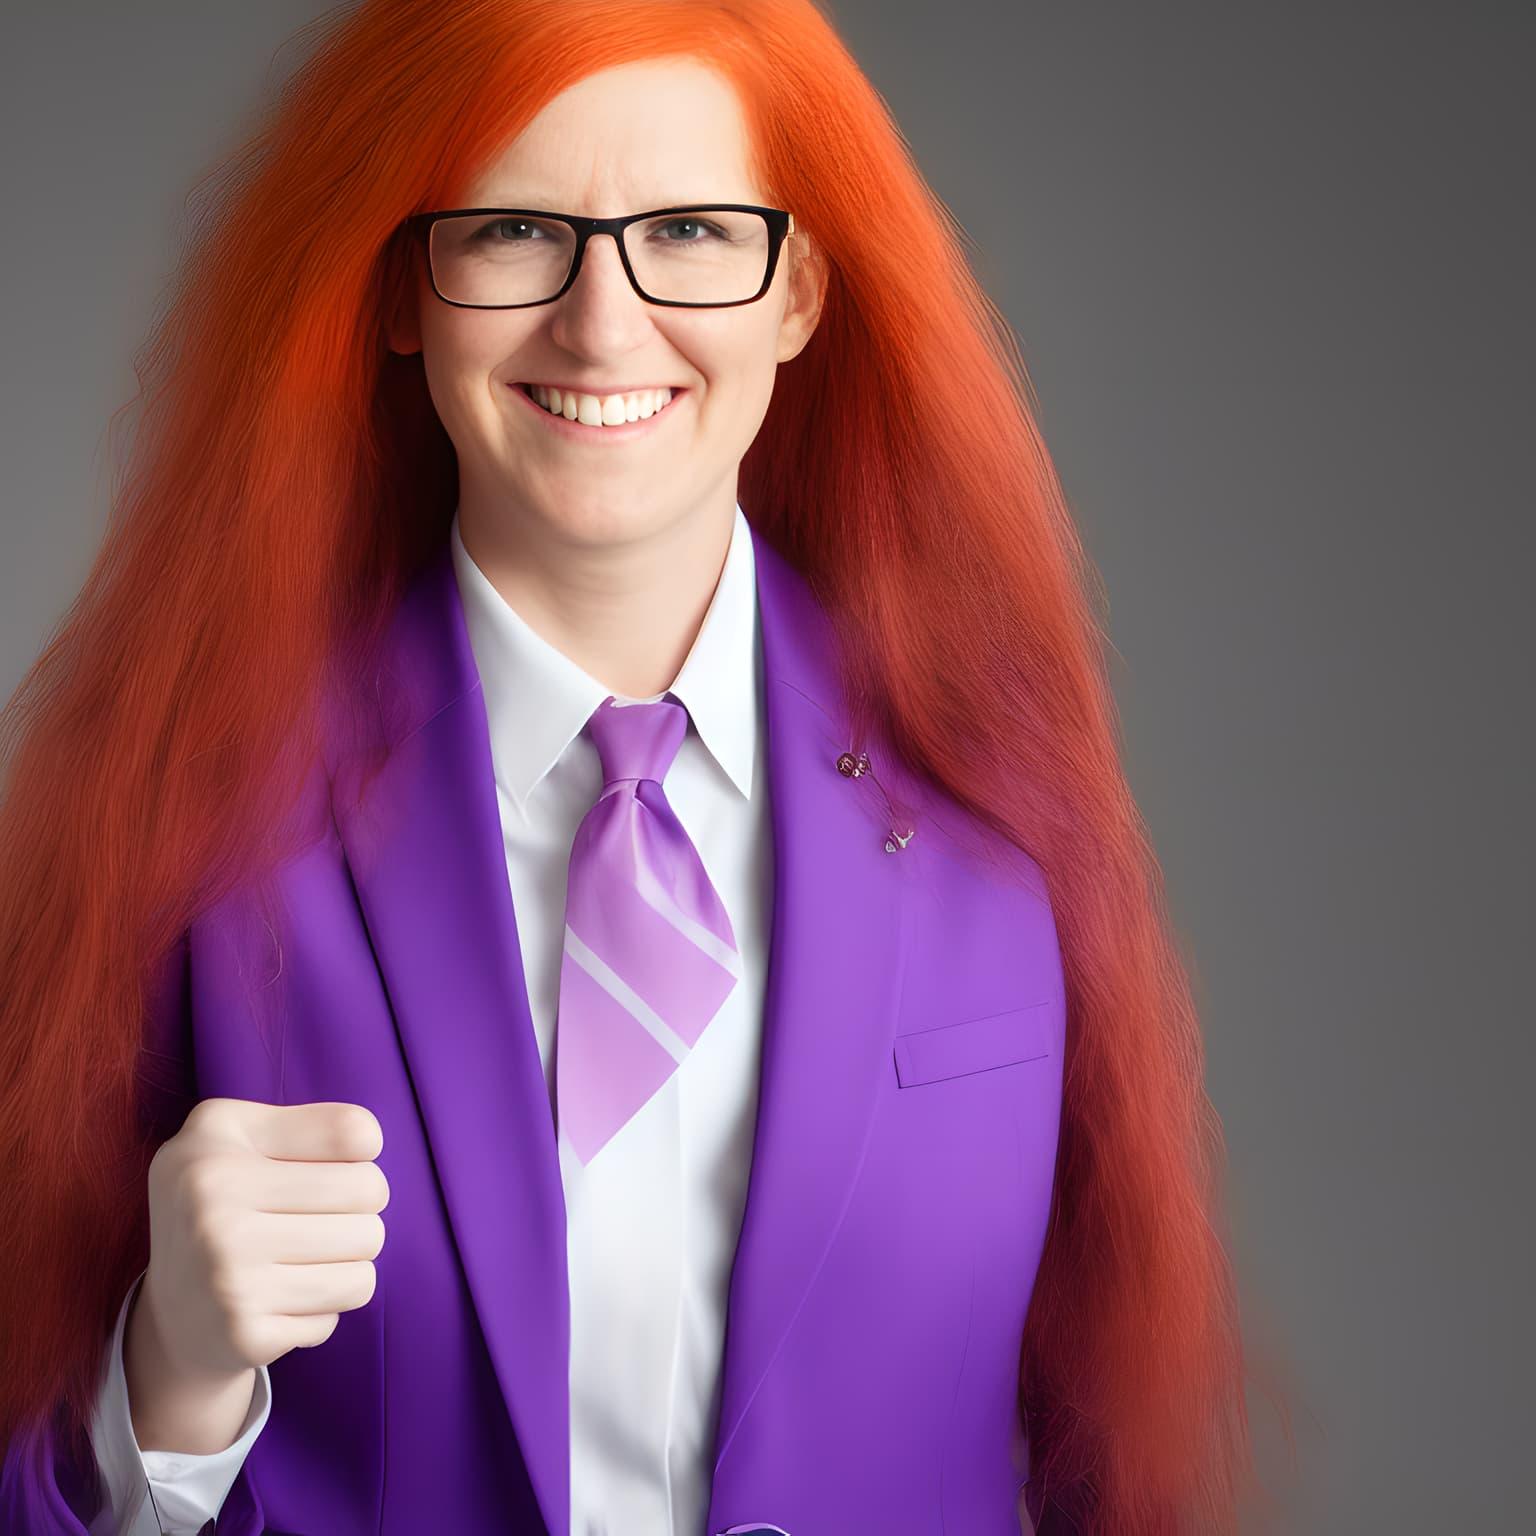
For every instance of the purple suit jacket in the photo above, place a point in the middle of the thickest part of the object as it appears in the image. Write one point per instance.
(901, 1172)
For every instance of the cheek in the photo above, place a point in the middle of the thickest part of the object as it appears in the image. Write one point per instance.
(740, 370)
(749, 386)
(459, 357)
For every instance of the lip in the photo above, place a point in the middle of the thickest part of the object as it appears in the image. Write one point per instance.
(579, 431)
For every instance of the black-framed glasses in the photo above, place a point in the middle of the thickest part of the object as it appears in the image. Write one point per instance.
(513, 258)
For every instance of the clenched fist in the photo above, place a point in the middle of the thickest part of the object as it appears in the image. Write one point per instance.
(264, 1224)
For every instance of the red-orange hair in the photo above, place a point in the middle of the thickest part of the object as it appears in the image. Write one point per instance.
(287, 476)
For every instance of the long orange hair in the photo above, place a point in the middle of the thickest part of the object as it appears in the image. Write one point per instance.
(288, 475)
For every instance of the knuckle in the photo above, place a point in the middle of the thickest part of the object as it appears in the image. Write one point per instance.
(198, 1114)
(205, 1116)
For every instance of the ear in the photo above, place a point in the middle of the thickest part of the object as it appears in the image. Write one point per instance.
(807, 290)
(402, 324)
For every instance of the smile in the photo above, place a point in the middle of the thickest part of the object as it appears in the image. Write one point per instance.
(641, 412)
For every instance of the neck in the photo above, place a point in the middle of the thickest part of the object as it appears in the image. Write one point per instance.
(622, 596)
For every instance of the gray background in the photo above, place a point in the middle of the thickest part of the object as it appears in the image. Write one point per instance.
(1270, 268)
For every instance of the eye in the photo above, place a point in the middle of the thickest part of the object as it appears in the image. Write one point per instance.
(522, 225)
(706, 229)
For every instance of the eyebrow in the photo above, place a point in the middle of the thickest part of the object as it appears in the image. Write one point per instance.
(502, 201)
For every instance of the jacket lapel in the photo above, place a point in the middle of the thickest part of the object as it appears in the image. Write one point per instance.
(426, 852)
(425, 848)
(834, 979)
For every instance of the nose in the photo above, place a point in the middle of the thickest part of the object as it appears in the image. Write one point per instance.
(602, 278)
(600, 313)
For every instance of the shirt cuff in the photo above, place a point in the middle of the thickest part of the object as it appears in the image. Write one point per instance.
(188, 1490)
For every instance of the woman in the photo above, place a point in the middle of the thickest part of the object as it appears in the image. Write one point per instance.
(400, 717)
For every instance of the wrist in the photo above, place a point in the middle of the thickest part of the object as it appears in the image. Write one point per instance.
(175, 1407)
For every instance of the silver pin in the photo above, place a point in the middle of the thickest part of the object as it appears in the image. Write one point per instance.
(854, 766)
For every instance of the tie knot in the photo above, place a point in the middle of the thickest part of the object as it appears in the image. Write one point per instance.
(637, 741)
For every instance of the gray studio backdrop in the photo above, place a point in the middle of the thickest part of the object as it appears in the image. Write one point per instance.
(1270, 268)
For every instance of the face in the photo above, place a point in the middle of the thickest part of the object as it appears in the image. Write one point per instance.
(652, 134)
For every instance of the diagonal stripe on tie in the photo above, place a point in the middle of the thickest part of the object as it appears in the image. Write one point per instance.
(612, 1059)
(663, 965)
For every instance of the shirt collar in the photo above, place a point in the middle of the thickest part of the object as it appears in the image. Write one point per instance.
(537, 699)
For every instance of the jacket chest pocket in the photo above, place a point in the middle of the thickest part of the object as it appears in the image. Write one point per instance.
(973, 1045)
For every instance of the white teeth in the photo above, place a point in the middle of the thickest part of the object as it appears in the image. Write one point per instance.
(601, 410)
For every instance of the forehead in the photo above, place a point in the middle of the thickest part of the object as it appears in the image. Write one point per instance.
(640, 135)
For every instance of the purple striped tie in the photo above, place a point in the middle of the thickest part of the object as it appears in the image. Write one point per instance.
(649, 955)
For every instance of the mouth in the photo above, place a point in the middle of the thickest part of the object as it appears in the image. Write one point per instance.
(660, 408)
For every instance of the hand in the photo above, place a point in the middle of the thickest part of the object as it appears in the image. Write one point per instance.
(263, 1227)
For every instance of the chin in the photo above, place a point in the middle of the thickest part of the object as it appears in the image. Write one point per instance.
(595, 519)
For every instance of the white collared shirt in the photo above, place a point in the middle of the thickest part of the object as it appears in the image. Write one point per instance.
(652, 1222)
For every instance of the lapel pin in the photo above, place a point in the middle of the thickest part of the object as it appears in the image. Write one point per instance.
(854, 766)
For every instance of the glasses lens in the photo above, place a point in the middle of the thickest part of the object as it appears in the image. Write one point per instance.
(704, 256)
(481, 258)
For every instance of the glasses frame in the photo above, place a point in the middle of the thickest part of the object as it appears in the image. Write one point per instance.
(781, 227)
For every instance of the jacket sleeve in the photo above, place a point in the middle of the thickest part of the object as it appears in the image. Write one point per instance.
(45, 1488)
